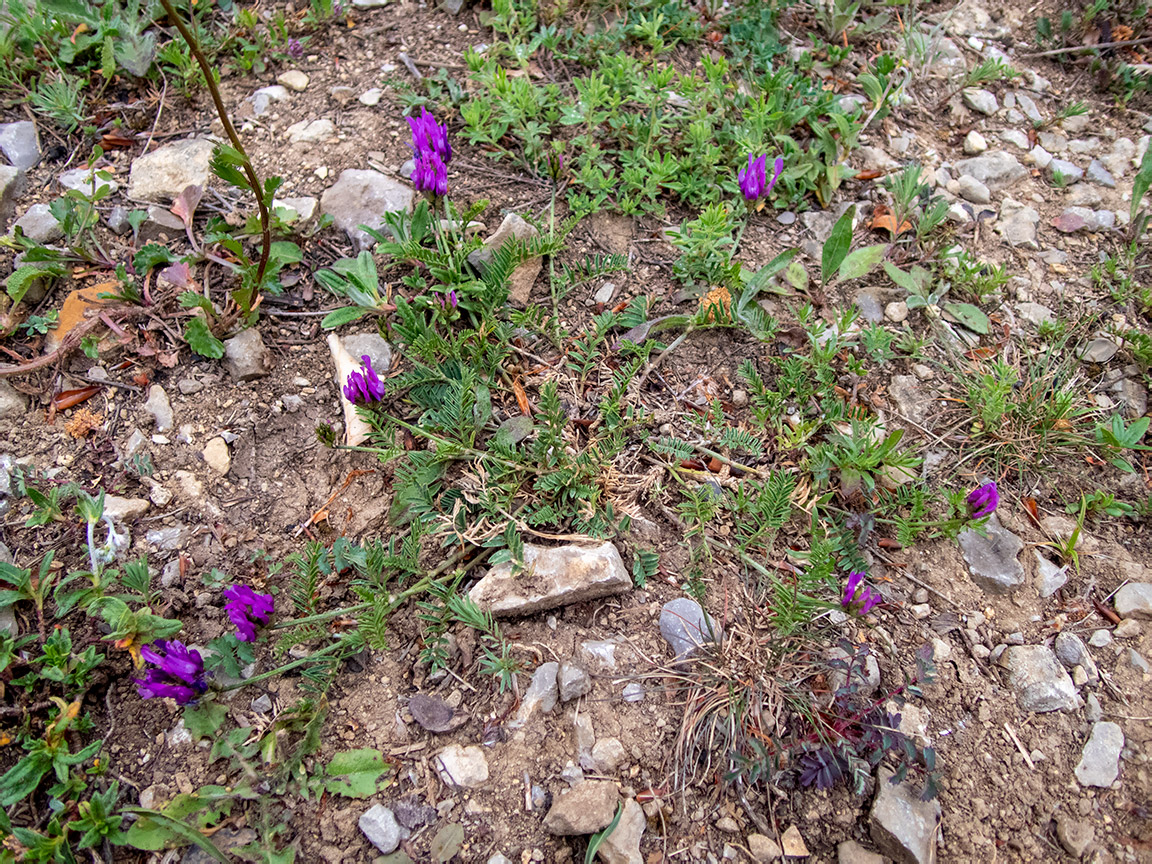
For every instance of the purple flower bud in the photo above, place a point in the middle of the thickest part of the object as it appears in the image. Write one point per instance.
(753, 180)
(179, 674)
(984, 500)
(430, 174)
(428, 136)
(294, 49)
(365, 385)
(857, 597)
(246, 608)
(452, 299)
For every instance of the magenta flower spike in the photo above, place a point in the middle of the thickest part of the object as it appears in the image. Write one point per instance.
(984, 500)
(364, 385)
(179, 672)
(246, 609)
(430, 174)
(858, 597)
(753, 180)
(428, 136)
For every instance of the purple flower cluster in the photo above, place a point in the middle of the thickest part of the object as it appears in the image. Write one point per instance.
(857, 596)
(432, 152)
(448, 302)
(365, 385)
(179, 672)
(294, 48)
(753, 180)
(246, 608)
(984, 500)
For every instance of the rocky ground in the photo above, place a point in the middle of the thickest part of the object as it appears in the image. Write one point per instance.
(1040, 710)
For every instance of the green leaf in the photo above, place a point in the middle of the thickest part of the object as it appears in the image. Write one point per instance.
(192, 300)
(155, 830)
(25, 276)
(201, 340)
(861, 261)
(759, 280)
(970, 316)
(22, 778)
(837, 245)
(1140, 184)
(596, 839)
(152, 255)
(354, 773)
(901, 278)
(344, 315)
(204, 720)
(797, 276)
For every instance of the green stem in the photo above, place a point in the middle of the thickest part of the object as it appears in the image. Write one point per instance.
(263, 676)
(222, 112)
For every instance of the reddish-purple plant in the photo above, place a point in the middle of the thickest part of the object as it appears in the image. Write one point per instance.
(428, 136)
(857, 596)
(247, 609)
(753, 180)
(179, 672)
(984, 500)
(365, 385)
(430, 174)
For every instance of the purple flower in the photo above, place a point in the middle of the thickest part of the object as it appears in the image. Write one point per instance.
(857, 596)
(246, 608)
(295, 49)
(449, 301)
(984, 500)
(365, 385)
(753, 180)
(428, 136)
(430, 174)
(179, 673)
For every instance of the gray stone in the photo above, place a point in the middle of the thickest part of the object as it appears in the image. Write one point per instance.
(362, 198)
(981, 101)
(974, 143)
(1049, 577)
(263, 98)
(1039, 157)
(524, 276)
(622, 846)
(541, 694)
(124, 509)
(408, 169)
(160, 408)
(300, 209)
(1093, 711)
(686, 627)
(19, 144)
(12, 402)
(851, 852)
(262, 704)
(583, 809)
(996, 169)
(1132, 396)
(871, 304)
(311, 131)
(598, 655)
(80, 180)
(371, 97)
(245, 355)
(763, 849)
(1072, 651)
(553, 576)
(901, 825)
(293, 79)
(160, 176)
(875, 159)
(373, 345)
(1014, 137)
(1120, 159)
(381, 828)
(604, 293)
(1099, 350)
(1129, 628)
(1074, 836)
(1018, 224)
(1069, 172)
(161, 224)
(1098, 174)
(1082, 195)
(462, 766)
(12, 186)
(1034, 313)
(585, 737)
(992, 558)
(188, 386)
(342, 95)
(1134, 600)
(117, 220)
(896, 311)
(573, 681)
(1038, 679)
(973, 190)
(1100, 638)
(292, 403)
(634, 692)
(911, 400)
(1137, 662)
(40, 225)
(1100, 760)
(1028, 106)
(607, 755)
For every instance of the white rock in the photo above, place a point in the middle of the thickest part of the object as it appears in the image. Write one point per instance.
(462, 766)
(311, 132)
(217, 456)
(1100, 760)
(982, 101)
(553, 576)
(160, 176)
(1038, 679)
(293, 79)
(974, 143)
(1134, 600)
(371, 97)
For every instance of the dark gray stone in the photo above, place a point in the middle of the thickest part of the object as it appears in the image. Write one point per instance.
(687, 627)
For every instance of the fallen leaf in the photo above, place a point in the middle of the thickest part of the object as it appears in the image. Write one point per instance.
(68, 398)
(870, 174)
(884, 219)
(186, 202)
(521, 398)
(72, 312)
(116, 141)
